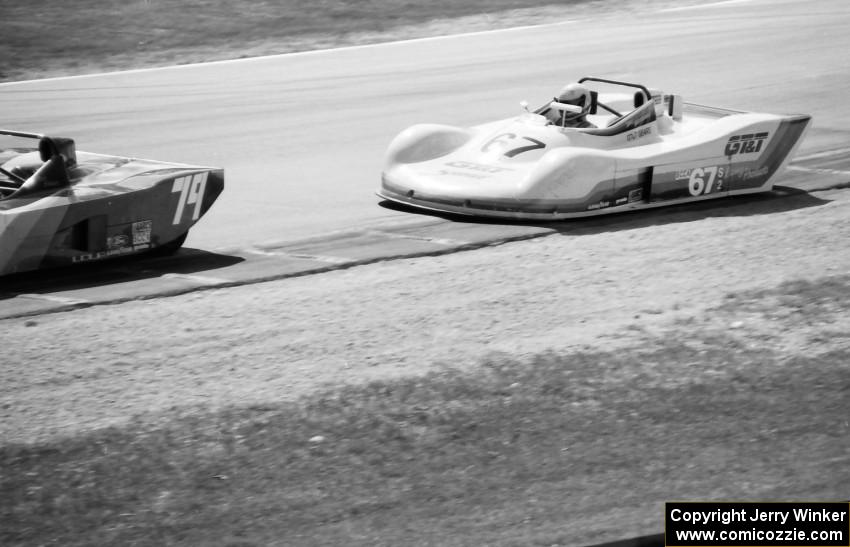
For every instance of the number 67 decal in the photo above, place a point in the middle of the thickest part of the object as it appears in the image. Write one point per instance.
(504, 138)
(697, 183)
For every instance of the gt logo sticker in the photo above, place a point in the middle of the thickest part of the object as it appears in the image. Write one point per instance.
(191, 190)
(702, 180)
(745, 144)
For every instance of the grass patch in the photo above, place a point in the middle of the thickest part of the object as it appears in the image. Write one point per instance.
(553, 450)
(816, 300)
(515, 454)
(53, 37)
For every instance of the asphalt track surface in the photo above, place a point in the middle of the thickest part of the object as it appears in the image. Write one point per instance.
(302, 136)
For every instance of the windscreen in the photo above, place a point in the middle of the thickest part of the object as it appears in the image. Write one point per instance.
(19, 156)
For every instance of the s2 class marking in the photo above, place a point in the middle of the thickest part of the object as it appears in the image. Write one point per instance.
(506, 138)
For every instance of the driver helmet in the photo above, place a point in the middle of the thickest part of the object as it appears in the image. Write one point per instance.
(576, 94)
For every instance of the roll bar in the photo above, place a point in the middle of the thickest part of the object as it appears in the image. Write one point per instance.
(646, 92)
(20, 134)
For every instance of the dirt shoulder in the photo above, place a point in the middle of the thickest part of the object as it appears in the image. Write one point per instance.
(71, 372)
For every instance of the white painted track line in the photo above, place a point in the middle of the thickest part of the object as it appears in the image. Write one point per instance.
(704, 6)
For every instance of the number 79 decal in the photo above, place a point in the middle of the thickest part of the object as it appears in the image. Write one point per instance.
(504, 139)
(191, 190)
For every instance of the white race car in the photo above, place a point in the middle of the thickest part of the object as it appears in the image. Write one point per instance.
(647, 149)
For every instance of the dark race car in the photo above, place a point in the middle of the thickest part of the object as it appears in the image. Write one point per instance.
(60, 207)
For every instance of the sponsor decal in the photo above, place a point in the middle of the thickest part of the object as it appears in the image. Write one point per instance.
(142, 232)
(639, 134)
(117, 241)
(749, 143)
(636, 195)
(100, 255)
(684, 174)
(600, 205)
(111, 251)
(622, 200)
(463, 174)
(191, 190)
(477, 166)
(750, 174)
